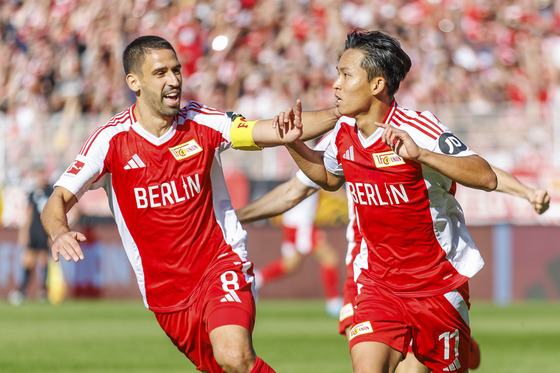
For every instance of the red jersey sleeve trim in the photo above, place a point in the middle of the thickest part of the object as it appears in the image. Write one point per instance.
(400, 117)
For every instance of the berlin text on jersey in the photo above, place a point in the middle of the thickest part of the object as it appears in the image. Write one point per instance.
(167, 193)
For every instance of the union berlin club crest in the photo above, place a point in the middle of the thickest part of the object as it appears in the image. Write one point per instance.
(185, 150)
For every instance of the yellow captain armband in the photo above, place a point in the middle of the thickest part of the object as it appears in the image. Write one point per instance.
(241, 134)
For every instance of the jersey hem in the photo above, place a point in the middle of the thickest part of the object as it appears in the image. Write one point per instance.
(425, 293)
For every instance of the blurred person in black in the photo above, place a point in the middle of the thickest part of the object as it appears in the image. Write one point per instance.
(33, 238)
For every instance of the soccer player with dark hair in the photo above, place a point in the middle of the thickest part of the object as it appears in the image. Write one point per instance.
(292, 192)
(172, 208)
(401, 168)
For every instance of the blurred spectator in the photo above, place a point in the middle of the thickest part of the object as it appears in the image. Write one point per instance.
(59, 60)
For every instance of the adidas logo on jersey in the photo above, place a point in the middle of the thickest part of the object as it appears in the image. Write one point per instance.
(231, 297)
(349, 155)
(135, 162)
(455, 365)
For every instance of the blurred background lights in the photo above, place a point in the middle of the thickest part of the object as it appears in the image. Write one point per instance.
(446, 25)
(220, 43)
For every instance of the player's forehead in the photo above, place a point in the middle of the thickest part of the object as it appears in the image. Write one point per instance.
(351, 59)
(155, 59)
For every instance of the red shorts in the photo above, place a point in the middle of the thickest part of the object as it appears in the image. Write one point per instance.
(437, 326)
(224, 297)
(302, 240)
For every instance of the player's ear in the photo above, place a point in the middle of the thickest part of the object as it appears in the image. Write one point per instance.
(377, 85)
(133, 82)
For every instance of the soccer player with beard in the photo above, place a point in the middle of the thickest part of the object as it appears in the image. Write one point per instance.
(172, 208)
(401, 168)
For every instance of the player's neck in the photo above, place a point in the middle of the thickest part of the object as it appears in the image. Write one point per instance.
(376, 113)
(152, 122)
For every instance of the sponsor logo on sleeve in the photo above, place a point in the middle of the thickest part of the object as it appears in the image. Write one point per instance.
(185, 150)
(449, 144)
(75, 167)
(361, 328)
(387, 159)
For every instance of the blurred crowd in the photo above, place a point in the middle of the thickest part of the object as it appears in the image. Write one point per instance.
(61, 72)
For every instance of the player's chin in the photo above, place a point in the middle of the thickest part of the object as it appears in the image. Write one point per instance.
(345, 110)
(170, 111)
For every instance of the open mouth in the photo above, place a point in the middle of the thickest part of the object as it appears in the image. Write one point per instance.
(172, 98)
(337, 100)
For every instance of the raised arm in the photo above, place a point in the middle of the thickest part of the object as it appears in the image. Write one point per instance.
(54, 219)
(277, 201)
(472, 171)
(507, 183)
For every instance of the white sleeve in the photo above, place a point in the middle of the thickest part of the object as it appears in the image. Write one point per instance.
(306, 181)
(446, 143)
(215, 119)
(330, 157)
(89, 164)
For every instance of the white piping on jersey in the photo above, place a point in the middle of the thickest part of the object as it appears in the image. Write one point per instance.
(130, 246)
(361, 261)
(233, 232)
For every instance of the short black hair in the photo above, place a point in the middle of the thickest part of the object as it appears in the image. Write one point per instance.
(383, 56)
(135, 53)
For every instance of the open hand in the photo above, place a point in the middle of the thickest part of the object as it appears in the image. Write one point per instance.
(68, 246)
(288, 124)
(399, 141)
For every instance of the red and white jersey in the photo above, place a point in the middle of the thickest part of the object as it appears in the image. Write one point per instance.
(168, 196)
(415, 239)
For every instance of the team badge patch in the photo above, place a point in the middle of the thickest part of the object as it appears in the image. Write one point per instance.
(185, 150)
(361, 328)
(387, 159)
(75, 167)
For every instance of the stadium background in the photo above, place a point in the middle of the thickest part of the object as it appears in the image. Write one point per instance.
(489, 70)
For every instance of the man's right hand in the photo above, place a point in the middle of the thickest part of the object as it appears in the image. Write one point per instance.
(289, 125)
(68, 246)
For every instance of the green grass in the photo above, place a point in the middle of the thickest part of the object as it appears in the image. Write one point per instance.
(517, 338)
(292, 336)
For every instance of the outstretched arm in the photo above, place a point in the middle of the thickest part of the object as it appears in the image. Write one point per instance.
(472, 171)
(65, 242)
(507, 183)
(289, 130)
(266, 134)
(277, 201)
